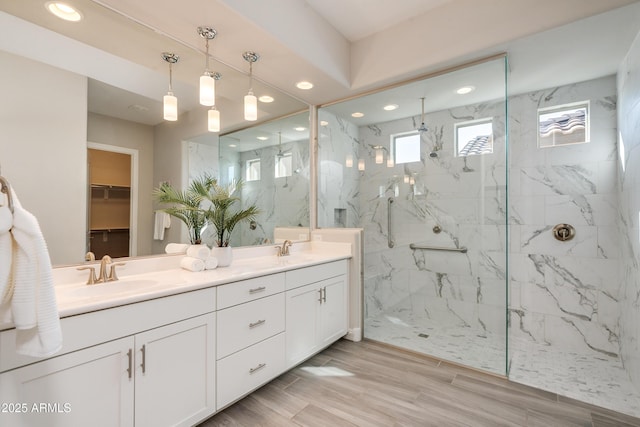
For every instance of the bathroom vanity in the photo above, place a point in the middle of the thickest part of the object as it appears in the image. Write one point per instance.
(173, 347)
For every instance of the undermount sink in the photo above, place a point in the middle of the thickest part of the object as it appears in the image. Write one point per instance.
(119, 287)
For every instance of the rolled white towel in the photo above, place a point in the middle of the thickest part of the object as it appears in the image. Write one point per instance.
(199, 251)
(176, 248)
(192, 264)
(210, 263)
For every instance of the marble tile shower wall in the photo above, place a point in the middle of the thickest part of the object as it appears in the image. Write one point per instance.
(465, 196)
(629, 193)
(564, 295)
(337, 184)
(282, 201)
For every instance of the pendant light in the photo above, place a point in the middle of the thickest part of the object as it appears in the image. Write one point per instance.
(422, 127)
(213, 115)
(250, 101)
(207, 81)
(170, 101)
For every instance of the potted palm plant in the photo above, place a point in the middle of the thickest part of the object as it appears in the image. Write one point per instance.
(186, 207)
(207, 202)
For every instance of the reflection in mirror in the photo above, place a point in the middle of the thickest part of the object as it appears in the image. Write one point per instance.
(273, 161)
(101, 81)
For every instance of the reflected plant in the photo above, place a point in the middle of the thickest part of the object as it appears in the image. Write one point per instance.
(206, 202)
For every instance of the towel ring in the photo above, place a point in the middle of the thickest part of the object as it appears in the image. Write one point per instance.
(6, 188)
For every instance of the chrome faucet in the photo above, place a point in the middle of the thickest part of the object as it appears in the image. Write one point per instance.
(284, 249)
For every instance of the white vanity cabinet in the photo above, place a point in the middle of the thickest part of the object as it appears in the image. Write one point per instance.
(174, 373)
(250, 335)
(317, 312)
(153, 365)
(86, 387)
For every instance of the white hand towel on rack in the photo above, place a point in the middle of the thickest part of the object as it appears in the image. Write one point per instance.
(162, 221)
(32, 308)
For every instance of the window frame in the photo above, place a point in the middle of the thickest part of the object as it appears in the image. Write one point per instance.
(566, 107)
(467, 124)
(248, 166)
(394, 145)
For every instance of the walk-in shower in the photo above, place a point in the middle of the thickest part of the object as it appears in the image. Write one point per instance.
(460, 261)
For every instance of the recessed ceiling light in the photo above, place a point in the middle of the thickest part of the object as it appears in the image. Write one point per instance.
(266, 99)
(465, 89)
(262, 138)
(63, 11)
(304, 85)
(138, 107)
(390, 107)
(300, 129)
(232, 145)
(357, 114)
(323, 123)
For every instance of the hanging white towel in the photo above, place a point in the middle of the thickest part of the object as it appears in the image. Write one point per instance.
(32, 307)
(6, 256)
(162, 221)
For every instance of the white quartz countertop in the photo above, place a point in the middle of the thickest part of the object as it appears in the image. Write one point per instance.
(77, 297)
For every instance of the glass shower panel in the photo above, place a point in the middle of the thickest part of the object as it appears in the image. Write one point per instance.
(435, 224)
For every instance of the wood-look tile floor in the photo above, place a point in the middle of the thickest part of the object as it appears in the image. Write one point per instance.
(370, 384)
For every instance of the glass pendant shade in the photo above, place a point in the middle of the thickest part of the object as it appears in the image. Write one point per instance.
(250, 107)
(213, 120)
(361, 164)
(390, 163)
(170, 107)
(349, 161)
(207, 90)
(379, 156)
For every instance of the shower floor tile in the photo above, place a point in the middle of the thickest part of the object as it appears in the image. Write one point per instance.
(593, 379)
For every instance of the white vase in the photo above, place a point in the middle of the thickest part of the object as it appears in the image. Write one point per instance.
(223, 254)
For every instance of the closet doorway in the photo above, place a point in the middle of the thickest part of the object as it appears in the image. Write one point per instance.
(112, 202)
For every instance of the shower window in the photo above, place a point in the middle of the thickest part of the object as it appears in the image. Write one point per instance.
(474, 137)
(253, 170)
(405, 147)
(563, 124)
(283, 165)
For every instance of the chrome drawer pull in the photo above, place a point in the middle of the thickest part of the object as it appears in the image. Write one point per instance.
(256, 290)
(257, 368)
(258, 323)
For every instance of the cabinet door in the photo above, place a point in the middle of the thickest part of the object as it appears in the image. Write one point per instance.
(90, 387)
(175, 373)
(333, 322)
(302, 323)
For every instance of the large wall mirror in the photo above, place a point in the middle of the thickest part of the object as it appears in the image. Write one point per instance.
(72, 88)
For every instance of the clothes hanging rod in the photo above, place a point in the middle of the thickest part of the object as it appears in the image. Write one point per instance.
(437, 248)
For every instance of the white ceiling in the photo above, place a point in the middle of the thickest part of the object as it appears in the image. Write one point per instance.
(346, 47)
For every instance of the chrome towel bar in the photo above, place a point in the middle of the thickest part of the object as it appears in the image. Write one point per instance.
(437, 248)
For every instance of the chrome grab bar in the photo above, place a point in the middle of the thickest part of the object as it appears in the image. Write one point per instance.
(390, 241)
(437, 248)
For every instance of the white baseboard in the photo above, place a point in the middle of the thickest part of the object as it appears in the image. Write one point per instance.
(354, 334)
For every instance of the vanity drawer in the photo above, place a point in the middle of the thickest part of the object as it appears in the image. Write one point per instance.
(249, 290)
(315, 273)
(246, 324)
(250, 368)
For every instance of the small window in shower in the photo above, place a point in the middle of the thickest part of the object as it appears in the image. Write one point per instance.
(405, 147)
(563, 124)
(283, 164)
(253, 170)
(474, 137)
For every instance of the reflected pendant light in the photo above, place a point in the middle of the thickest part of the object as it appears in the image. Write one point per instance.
(170, 101)
(207, 81)
(213, 115)
(422, 127)
(250, 101)
(213, 120)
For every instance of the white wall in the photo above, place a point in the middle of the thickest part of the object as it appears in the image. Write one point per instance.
(43, 118)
